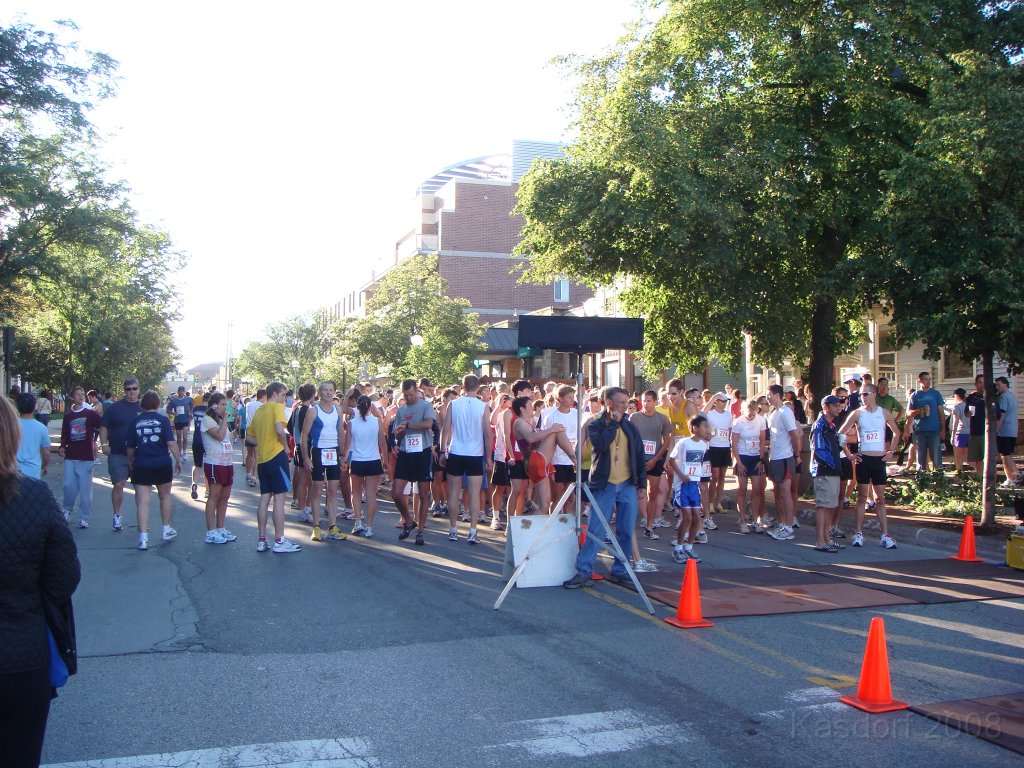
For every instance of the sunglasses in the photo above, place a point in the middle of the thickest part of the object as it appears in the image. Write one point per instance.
(131, 389)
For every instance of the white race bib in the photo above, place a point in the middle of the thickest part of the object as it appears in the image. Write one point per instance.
(693, 470)
(328, 457)
(226, 446)
(180, 410)
(872, 437)
(706, 469)
(650, 447)
(753, 445)
(413, 443)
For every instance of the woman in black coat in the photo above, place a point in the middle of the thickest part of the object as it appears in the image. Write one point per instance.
(38, 562)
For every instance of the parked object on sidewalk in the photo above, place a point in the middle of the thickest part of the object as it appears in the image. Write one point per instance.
(1015, 551)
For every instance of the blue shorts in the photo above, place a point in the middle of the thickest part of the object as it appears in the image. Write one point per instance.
(273, 475)
(961, 441)
(687, 496)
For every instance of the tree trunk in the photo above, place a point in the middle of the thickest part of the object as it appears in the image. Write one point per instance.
(823, 353)
(988, 482)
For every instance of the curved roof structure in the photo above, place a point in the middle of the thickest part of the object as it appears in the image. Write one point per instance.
(497, 167)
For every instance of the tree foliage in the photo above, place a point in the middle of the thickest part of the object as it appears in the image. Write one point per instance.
(730, 163)
(307, 339)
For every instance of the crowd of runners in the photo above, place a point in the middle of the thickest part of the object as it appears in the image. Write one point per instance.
(481, 453)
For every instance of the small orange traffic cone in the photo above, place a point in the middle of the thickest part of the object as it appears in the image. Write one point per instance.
(688, 615)
(966, 552)
(874, 692)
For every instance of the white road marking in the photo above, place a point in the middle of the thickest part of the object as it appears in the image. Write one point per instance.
(811, 695)
(828, 706)
(596, 733)
(313, 753)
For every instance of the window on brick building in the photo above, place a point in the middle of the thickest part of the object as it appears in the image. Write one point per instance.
(562, 291)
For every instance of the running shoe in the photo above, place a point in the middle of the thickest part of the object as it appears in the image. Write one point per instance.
(710, 524)
(284, 546)
(453, 535)
(472, 538)
(661, 522)
(228, 535)
(486, 515)
(782, 533)
(887, 542)
(117, 523)
(644, 566)
(67, 515)
(679, 555)
(756, 527)
(317, 534)
(407, 528)
(702, 537)
(295, 503)
(169, 534)
(796, 524)
(143, 541)
(195, 491)
(836, 532)
(497, 525)
(214, 537)
(306, 516)
(846, 503)
(829, 548)
(870, 506)
(83, 523)
(348, 514)
(261, 545)
(250, 481)
(438, 511)
(650, 534)
(358, 529)
(858, 540)
(744, 528)
(419, 540)
(367, 532)
(769, 521)
(334, 533)
(578, 581)
(691, 554)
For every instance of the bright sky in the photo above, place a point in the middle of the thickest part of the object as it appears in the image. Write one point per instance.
(280, 146)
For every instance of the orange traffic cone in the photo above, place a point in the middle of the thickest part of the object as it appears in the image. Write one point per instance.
(688, 615)
(966, 552)
(874, 692)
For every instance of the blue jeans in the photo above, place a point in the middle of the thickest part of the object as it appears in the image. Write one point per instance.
(78, 484)
(925, 443)
(621, 498)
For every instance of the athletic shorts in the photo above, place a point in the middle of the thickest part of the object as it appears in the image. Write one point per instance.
(976, 448)
(198, 451)
(1006, 446)
(297, 457)
(483, 483)
(826, 492)
(585, 474)
(217, 474)
(537, 468)
(320, 472)
(960, 441)
(366, 468)
(658, 469)
(780, 469)
(720, 457)
(517, 470)
(686, 496)
(471, 466)
(182, 424)
(153, 475)
(117, 466)
(499, 475)
(845, 468)
(871, 470)
(753, 465)
(566, 473)
(413, 467)
(273, 475)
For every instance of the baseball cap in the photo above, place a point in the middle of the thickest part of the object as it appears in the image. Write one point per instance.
(720, 396)
(853, 377)
(830, 400)
(789, 388)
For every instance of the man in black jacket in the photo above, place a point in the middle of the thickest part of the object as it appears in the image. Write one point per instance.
(618, 471)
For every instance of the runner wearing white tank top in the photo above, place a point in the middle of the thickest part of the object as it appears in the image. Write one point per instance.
(464, 438)
(869, 421)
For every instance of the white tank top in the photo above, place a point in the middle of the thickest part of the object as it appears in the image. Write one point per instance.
(467, 434)
(721, 428)
(871, 430)
(328, 435)
(364, 444)
(499, 435)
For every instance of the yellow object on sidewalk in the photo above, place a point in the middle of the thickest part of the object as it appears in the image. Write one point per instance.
(1015, 551)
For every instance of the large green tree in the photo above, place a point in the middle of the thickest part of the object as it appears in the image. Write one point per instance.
(729, 165)
(412, 300)
(306, 339)
(956, 209)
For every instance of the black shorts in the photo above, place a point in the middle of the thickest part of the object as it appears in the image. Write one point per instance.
(565, 473)
(499, 475)
(152, 475)
(198, 451)
(845, 469)
(366, 468)
(413, 467)
(297, 457)
(871, 470)
(182, 425)
(780, 469)
(753, 465)
(720, 457)
(470, 466)
(1006, 446)
(517, 471)
(320, 472)
(658, 469)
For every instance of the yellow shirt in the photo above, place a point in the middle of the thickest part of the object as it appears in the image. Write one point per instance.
(680, 424)
(619, 472)
(263, 430)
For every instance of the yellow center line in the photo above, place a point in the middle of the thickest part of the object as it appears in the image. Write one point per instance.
(819, 676)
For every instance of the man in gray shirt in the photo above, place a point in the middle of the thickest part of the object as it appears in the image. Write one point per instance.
(656, 432)
(413, 451)
(1006, 428)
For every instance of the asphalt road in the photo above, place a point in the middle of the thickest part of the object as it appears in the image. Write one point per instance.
(378, 653)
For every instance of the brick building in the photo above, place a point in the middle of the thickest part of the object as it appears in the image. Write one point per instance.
(463, 213)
